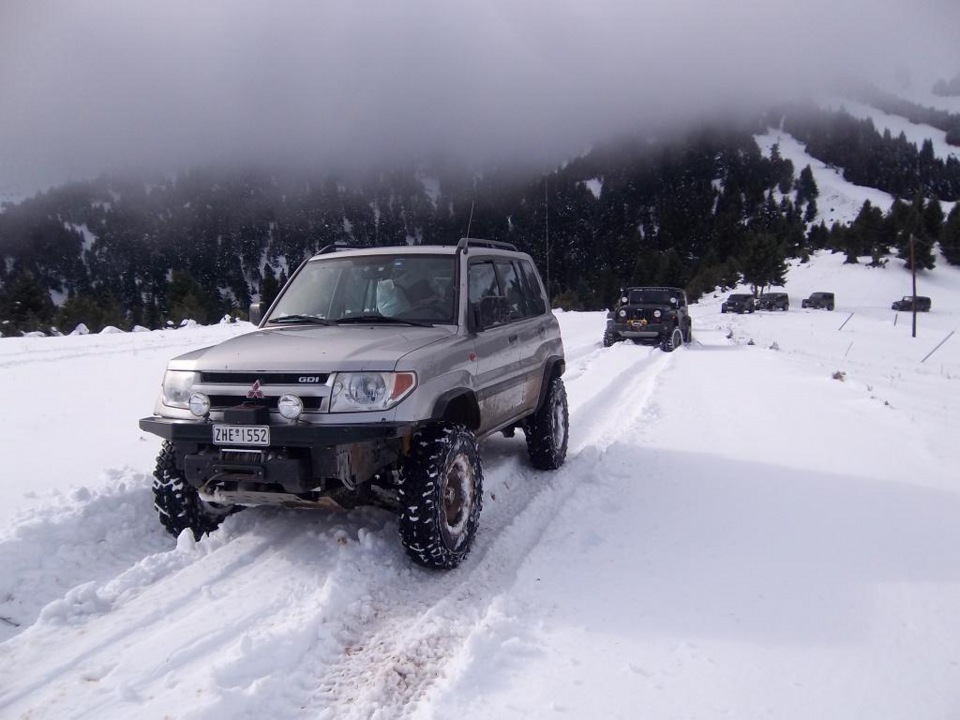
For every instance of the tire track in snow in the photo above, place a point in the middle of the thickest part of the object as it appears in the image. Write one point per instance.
(386, 671)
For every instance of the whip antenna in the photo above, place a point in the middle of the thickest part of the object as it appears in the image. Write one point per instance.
(470, 221)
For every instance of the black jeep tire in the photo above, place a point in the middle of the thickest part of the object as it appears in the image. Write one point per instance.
(688, 335)
(672, 341)
(178, 503)
(548, 430)
(441, 494)
(609, 338)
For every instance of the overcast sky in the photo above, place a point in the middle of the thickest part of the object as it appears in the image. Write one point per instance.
(107, 85)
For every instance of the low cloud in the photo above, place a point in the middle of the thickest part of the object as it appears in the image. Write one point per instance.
(112, 85)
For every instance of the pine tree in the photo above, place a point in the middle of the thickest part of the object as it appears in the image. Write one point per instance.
(950, 237)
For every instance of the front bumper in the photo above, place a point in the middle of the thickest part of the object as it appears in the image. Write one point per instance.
(649, 331)
(302, 435)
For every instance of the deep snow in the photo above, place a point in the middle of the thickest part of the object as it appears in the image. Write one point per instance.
(763, 524)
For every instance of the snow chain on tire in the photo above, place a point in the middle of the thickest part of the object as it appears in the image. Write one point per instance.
(178, 503)
(441, 494)
(672, 341)
(547, 430)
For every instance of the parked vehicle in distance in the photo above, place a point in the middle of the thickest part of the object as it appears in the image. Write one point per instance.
(739, 303)
(773, 301)
(907, 303)
(819, 300)
(650, 316)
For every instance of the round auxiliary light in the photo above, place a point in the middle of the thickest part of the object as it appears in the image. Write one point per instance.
(622, 313)
(656, 313)
(290, 406)
(199, 404)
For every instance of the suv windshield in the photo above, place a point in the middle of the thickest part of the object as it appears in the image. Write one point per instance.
(738, 297)
(651, 297)
(379, 288)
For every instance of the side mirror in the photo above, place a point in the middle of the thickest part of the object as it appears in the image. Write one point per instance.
(256, 312)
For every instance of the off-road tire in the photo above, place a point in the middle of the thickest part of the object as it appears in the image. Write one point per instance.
(178, 503)
(548, 429)
(441, 494)
(672, 341)
(609, 338)
(688, 335)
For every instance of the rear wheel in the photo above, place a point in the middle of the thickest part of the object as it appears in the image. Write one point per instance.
(441, 493)
(179, 504)
(547, 430)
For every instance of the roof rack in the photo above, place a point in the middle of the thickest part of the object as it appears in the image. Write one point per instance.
(334, 247)
(478, 242)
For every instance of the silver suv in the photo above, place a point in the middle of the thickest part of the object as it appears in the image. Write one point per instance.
(369, 381)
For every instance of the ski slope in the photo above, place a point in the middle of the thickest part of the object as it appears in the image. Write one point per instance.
(761, 524)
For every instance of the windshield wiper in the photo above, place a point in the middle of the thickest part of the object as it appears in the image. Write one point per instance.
(301, 319)
(378, 318)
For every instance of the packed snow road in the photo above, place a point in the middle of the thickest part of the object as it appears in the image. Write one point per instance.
(730, 522)
(309, 610)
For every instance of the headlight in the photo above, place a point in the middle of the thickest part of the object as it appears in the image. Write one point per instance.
(622, 313)
(656, 313)
(177, 387)
(361, 391)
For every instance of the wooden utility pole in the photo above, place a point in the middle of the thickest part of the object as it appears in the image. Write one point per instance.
(913, 271)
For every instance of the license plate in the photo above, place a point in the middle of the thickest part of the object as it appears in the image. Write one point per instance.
(241, 435)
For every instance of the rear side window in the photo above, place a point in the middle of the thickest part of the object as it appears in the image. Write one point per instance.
(535, 303)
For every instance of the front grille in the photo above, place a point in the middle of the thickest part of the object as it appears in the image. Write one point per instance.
(219, 402)
(248, 378)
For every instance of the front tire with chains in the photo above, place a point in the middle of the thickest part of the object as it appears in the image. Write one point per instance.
(178, 503)
(441, 495)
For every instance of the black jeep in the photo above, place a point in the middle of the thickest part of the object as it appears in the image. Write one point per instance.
(651, 316)
(774, 301)
(739, 303)
(909, 301)
(819, 300)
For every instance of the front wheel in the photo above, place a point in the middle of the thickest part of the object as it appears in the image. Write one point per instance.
(178, 503)
(609, 338)
(672, 341)
(441, 493)
(547, 430)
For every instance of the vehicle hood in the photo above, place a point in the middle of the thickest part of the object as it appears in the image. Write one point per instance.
(314, 349)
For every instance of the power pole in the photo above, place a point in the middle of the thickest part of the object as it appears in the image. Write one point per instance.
(913, 271)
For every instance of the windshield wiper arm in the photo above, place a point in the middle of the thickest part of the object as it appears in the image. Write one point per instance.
(378, 318)
(301, 319)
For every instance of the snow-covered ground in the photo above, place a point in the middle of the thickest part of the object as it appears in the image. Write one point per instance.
(763, 524)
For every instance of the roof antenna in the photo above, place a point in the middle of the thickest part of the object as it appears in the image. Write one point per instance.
(546, 232)
(470, 221)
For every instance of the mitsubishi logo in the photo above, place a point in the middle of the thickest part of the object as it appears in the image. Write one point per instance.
(255, 392)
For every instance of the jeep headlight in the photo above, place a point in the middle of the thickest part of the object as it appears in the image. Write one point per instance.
(177, 387)
(360, 391)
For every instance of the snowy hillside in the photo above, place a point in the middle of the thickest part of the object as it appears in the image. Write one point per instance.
(763, 524)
